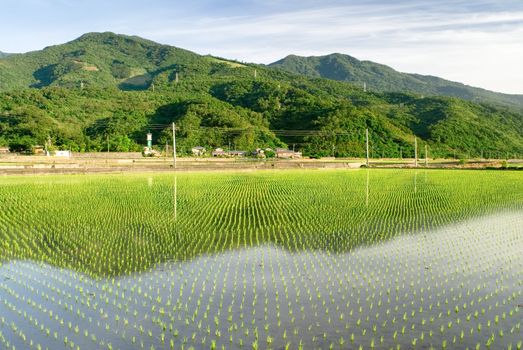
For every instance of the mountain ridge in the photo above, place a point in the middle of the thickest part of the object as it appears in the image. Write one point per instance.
(106, 86)
(113, 56)
(383, 78)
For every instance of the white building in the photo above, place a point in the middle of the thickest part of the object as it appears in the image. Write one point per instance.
(65, 154)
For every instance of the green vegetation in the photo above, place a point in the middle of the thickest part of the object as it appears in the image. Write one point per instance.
(244, 209)
(288, 259)
(382, 78)
(107, 91)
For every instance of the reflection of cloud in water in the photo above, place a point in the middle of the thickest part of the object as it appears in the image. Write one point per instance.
(433, 287)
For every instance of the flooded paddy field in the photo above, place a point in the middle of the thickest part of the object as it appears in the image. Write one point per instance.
(341, 259)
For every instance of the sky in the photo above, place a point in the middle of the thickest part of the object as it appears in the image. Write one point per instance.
(477, 42)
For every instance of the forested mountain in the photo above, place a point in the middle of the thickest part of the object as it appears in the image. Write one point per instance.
(98, 59)
(378, 77)
(3, 54)
(106, 90)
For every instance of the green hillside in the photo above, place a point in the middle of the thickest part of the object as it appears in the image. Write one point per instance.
(106, 90)
(379, 77)
(100, 59)
(3, 54)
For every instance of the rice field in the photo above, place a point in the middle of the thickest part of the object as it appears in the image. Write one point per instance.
(339, 259)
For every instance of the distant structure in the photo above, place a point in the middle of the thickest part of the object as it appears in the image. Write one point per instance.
(198, 151)
(63, 154)
(237, 153)
(4, 150)
(259, 153)
(219, 152)
(149, 152)
(149, 140)
(287, 154)
(37, 150)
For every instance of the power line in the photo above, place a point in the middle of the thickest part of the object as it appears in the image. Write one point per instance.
(281, 132)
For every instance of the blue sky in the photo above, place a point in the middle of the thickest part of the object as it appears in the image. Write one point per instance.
(478, 42)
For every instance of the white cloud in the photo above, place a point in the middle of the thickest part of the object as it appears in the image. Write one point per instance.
(479, 48)
(478, 42)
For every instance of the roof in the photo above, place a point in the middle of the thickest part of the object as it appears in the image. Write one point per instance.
(198, 147)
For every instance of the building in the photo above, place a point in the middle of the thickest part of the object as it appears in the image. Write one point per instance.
(237, 153)
(4, 150)
(149, 152)
(287, 154)
(218, 152)
(38, 150)
(64, 154)
(198, 151)
(259, 153)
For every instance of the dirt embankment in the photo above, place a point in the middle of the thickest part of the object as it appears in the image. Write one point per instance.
(101, 163)
(81, 163)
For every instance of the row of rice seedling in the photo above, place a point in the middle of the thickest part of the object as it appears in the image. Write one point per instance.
(310, 260)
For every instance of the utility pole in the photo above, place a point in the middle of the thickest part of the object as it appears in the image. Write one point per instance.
(107, 143)
(174, 146)
(255, 74)
(367, 144)
(415, 151)
(426, 157)
(47, 145)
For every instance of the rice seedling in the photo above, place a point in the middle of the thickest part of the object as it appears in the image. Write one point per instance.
(290, 259)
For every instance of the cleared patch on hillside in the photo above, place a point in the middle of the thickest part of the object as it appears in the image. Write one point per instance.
(90, 68)
(86, 66)
(229, 63)
(138, 82)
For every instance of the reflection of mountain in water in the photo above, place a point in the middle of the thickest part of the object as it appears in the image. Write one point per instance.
(423, 281)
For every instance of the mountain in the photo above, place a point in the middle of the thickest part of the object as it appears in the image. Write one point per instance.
(378, 77)
(4, 54)
(102, 59)
(108, 90)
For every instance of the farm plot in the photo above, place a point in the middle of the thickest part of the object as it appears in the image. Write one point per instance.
(279, 260)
